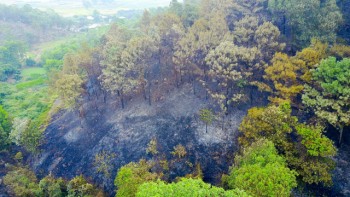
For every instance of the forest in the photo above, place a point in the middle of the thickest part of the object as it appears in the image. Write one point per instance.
(233, 98)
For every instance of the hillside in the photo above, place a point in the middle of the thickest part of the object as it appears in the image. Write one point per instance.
(201, 98)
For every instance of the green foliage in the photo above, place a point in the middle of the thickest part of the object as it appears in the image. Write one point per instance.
(312, 160)
(260, 171)
(179, 151)
(314, 141)
(103, 163)
(69, 87)
(5, 128)
(52, 187)
(20, 125)
(131, 176)
(308, 19)
(11, 57)
(29, 24)
(207, 116)
(28, 103)
(32, 73)
(22, 182)
(19, 156)
(329, 96)
(185, 188)
(30, 138)
(152, 147)
(78, 186)
(29, 84)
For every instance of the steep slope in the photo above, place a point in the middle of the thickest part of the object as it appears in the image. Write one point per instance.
(71, 143)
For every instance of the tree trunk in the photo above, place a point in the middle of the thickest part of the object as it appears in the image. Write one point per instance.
(341, 129)
(144, 91)
(180, 76)
(226, 99)
(176, 79)
(206, 128)
(223, 122)
(122, 99)
(193, 83)
(149, 93)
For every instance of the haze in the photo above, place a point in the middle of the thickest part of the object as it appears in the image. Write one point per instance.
(85, 7)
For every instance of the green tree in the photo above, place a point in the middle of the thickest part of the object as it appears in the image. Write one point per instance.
(20, 125)
(5, 128)
(152, 147)
(103, 163)
(207, 116)
(69, 87)
(138, 55)
(260, 171)
(118, 69)
(191, 50)
(185, 188)
(228, 65)
(131, 176)
(329, 96)
(22, 182)
(307, 19)
(52, 187)
(179, 151)
(311, 160)
(78, 186)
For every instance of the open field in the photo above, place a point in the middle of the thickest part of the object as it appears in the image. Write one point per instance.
(28, 72)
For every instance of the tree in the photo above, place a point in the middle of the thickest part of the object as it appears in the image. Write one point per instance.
(284, 74)
(145, 21)
(340, 51)
(244, 31)
(289, 73)
(5, 128)
(307, 19)
(260, 171)
(267, 38)
(152, 147)
(203, 36)
(53, 187)
(310, 57)
(229, 66)
(131, 176)
(168, 31)
(138, 55)
(22, 182)
(185, 188)
(69, 87)
(329, 96)
(179, 151)
(20, 125)
(311, 160)
(250, 33)
(260, 41)
(11, 58)
(78, 186)
(103, 163)
(176, 8)
(207, 116)
(117, 68)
